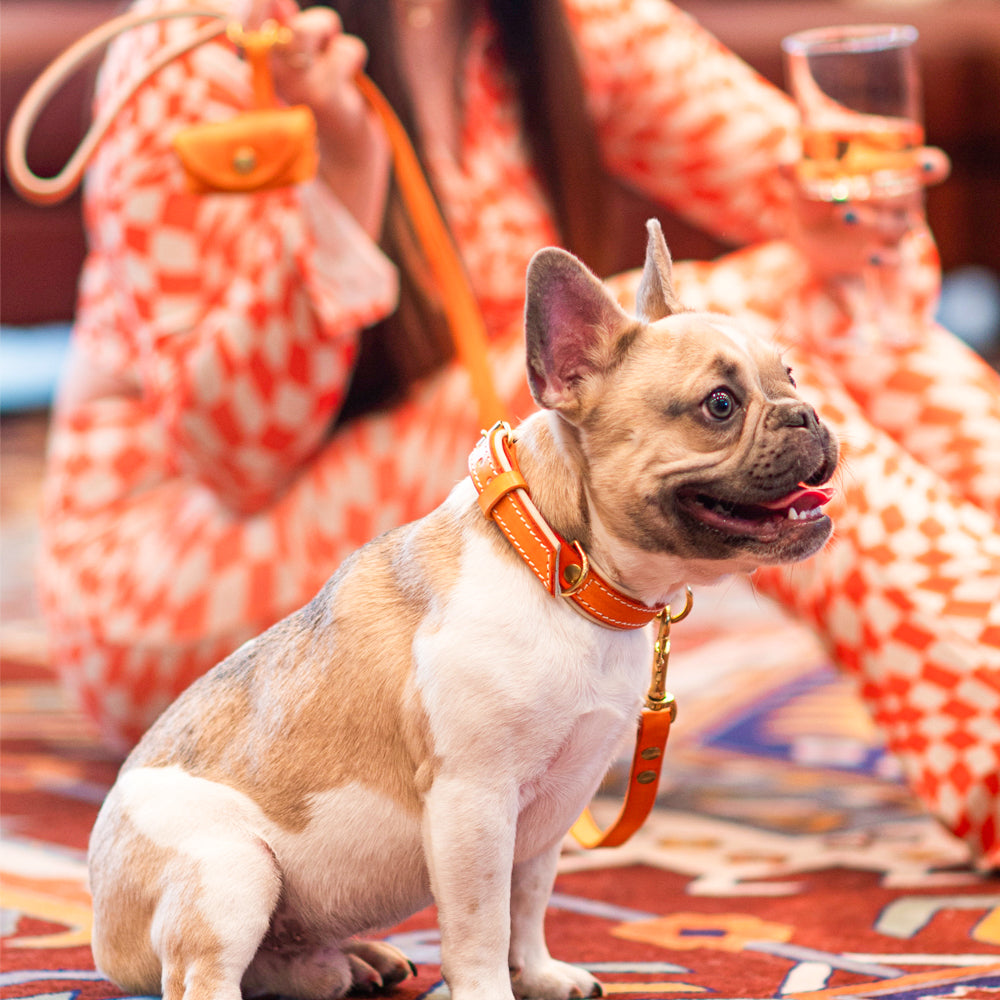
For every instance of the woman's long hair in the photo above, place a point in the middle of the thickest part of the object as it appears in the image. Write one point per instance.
(539, 51)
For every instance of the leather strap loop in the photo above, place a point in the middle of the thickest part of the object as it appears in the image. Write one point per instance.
(496, 489)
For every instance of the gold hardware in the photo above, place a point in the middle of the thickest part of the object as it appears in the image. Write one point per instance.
(658, 699)
(651, 753)
(270, 33)
(244, 160)
(668, 702)
(688, 605)
(575, 576)
(645, 777)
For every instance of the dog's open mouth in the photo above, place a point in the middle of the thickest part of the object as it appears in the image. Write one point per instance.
(759, 520)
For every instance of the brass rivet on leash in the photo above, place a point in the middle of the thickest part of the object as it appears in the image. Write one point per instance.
(645, 777)
(244, 160)
(651, 753)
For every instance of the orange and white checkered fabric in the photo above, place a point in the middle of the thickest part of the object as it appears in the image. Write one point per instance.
(183, 519)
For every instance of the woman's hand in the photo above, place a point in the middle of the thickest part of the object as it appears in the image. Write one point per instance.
(875, 257)
(318, 67)
(840, 239)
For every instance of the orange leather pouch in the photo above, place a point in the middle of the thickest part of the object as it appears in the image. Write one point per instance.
(267, 147)
(255, 151)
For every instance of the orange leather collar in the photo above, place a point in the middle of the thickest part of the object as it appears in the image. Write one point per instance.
(562, 567)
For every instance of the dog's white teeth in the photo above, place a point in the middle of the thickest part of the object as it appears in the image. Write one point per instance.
(804, 515)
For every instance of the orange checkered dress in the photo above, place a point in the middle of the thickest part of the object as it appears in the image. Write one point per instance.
(184, 521)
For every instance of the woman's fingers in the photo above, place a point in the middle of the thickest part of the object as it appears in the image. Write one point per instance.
(934, 164)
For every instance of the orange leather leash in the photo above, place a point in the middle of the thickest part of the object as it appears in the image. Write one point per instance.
(565, 570)
(658, 714)
(457, 299)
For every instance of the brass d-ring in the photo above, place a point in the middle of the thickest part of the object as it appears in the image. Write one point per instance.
(688, 605)
(583, 569)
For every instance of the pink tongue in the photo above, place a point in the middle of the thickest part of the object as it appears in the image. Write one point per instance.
(805, 498)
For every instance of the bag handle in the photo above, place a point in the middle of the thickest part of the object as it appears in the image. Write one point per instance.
(52, 190)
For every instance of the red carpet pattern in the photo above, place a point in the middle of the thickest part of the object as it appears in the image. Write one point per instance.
(786, 860)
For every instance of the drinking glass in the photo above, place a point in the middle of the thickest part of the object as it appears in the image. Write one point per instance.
(857, 88)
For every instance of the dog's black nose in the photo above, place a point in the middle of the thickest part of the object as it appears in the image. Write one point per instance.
(794, 415)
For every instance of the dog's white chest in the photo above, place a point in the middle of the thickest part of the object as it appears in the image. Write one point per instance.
(517, 684)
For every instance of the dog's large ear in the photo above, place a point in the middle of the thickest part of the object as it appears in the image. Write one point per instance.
(655, 297)
(571, 323)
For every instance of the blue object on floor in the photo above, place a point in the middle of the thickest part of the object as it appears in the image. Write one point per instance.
(31, 359)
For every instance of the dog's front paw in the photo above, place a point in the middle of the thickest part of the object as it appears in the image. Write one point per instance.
(554, 981)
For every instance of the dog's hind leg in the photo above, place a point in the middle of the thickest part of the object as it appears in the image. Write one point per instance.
(211, 918)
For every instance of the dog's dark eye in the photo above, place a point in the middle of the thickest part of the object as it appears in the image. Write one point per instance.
(791, 378)
(720, 404)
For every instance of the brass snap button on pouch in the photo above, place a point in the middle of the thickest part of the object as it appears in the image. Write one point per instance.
(244, 160)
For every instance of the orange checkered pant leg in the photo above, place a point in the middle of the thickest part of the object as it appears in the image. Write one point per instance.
(907, 597)
(907, 594)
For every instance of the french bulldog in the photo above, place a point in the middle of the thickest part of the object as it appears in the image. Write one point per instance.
(429, 726)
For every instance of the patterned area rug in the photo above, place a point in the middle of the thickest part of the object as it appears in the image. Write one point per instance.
(786, 859)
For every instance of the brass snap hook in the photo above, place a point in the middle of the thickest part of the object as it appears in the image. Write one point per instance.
(688, 605)
(658, 698)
